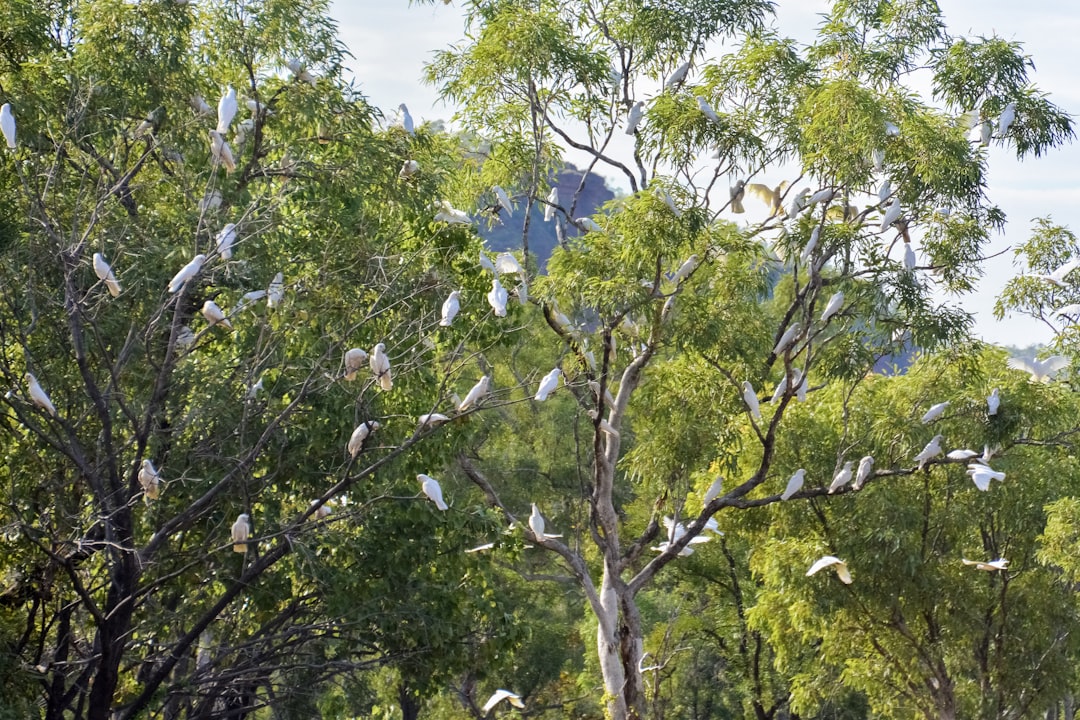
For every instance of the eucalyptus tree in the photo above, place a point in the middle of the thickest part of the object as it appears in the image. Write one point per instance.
(300, 231)
(675, 321)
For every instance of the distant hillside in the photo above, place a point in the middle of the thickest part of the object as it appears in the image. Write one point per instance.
(542, 238)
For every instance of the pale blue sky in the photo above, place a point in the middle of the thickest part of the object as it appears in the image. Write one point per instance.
(391, 41)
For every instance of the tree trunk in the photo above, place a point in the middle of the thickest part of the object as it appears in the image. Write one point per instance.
(607, 649)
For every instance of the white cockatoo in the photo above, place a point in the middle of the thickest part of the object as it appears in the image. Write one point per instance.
(707, 110)
(586, 224)
(961, 454)
(714, 490)
(1057, 277)
(104, 272)
(1071, 311)
(354, 361)
(866, 466)
(300, 72)
(248, 298)
(380, 366)
(811, 245)
(786, 339)
(507, 264)
(1041, 370)
(450, 308)
(834, 562)
(536, 524)
(841, 478)
(210, 201)
(433, 490)
(988, 566)
(150, 480)
(226, 110)
(408, 169)
(932, 450)
(322, 510)
(750, 398)
(221, 152)
(485, 263)
(891, 129)
(406, 119)
(798, 203)
(432, 420)
(676, 530)
(498, 696)
(475, 395)
(737, 193)
(548, 384)
(1005, 119)
(38, 395)
(877, 158)
(892, 214)
(254, 390)
(214, 315)
(607, 398)
(993, 402)
(602, 423)
(449, 214)
(187, 272)
(772, 197)
(633, 118)
(677, 76)
(884, 190)
(241, 531)
(934, 412)
(198, 104)
(794, 484)
(7, 125)
(833, 306)
(497, 297)
(552, 203)
(982, 474)
(275, 293)
(910, 261)
(360, 435)
(503, 199)
(225, 240)
(688, 266)
(824, 195)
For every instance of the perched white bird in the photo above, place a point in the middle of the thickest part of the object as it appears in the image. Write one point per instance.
(834, 562)
(993, 402)
(892, 214)
(226, 110)
(254, 390)
(408, 169)
(877, 157)
(225, 240)
(449, 214)
(841, 478)
(781, 388)
(676, 530)
(475, 395)
(714, 490)
(536, 524)
(794, 484)
(497, 297)
(988, 453)
(1068, 311)
(688, 266)
(811, 245)
(988, 566)
(214, 315)
(322, 510)
(247, 299)
(485, 263)
(833, 306)
(105, 273)
(432, 420)
(187, 272)
(707, 110)
(608, 399)
(450, 308)
(909, 257)
(38, 396)
(354, 361)
(221, 152)
(1057, 277)
(750, 398)
(406, 119)
(275, 293)
(786, 339)
(602, 423)
(1041, 370)
(7, 124)
(801, 386)
(300, 72)
(961, 454)
(587, 224)
(934, 412)
(552, 203)
(150, 480)
(737, 192)
(503, 198)
(198, 104)
(824, 195)
(866, 466)
(433, 490)
(500, 695)
(380, 366)
(1005, 119)
(677, 76)
(210, 201)
(891, 129)
(986, 131)
(359, 435)
(548, 384)
(981, 475)
(507, 264)
(241, 531)
(932, 450)
(633, 118)
(884, 190)
(798, 203)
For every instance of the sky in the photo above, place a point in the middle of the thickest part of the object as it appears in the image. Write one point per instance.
(390, 43)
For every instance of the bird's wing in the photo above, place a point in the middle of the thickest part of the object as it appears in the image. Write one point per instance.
(1016, 363)
(822, 563)
(1055, 363)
